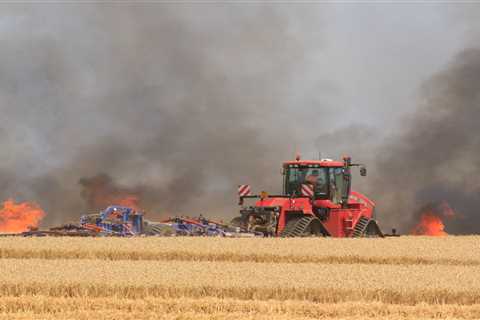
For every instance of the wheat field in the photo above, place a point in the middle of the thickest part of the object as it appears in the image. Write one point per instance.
(214, 278)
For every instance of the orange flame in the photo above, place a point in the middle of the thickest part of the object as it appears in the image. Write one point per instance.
(128, 201)
(431, 223)
(101, 191)
(19, 217)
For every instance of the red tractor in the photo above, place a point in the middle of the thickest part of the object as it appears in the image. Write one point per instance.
(316, 201)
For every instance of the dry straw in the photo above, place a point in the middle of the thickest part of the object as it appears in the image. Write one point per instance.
(210, 278)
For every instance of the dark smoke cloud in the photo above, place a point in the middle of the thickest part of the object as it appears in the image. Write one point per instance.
(100, 191)
(175, 104)
(438, 156)
(356, 139)
(433, 162)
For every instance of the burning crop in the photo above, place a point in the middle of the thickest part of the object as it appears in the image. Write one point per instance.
(19, 217)
(129, 201)
(431, 220)
(429, 225)
(101, 191)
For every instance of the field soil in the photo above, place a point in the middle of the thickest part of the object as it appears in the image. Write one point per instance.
(214, 278)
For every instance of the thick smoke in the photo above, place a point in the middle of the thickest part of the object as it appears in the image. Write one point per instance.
(101, 191)
(438, 157)
(432, 163)
(176, 105)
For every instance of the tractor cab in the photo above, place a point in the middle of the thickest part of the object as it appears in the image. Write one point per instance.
(326, 178)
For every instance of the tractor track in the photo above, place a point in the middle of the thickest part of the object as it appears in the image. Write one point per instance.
(298, 227)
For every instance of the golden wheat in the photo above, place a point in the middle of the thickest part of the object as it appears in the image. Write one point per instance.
(314, 282)
(152, 308)
(405, 250)
(212, 278)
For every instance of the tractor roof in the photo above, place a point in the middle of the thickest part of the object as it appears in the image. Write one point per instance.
(321, 163)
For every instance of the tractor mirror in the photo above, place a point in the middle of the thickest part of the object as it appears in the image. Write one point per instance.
(363, 171)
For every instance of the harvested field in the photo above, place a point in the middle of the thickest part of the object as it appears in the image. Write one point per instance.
(404, 250)
(213, 278)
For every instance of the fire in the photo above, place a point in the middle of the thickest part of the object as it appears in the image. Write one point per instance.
(431, 223)
(101, 191)
(128, 201)
(19, 217)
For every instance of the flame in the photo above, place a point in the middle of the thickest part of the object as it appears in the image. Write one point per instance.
(429, 225)
(129, 201)
(431, 220)
(102, 191)
(19, 217)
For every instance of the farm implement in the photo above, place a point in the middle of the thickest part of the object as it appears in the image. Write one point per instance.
(114, 220)
(120, 221)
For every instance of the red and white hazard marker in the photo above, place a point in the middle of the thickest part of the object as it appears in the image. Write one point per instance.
(244, 190)
(307, 190)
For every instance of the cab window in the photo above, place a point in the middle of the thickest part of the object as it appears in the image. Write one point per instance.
(313, 175)
(338, 186)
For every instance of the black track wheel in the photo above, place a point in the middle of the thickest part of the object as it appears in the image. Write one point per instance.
(305, 226)
(316, 228)
(373, 230)
(289, 227)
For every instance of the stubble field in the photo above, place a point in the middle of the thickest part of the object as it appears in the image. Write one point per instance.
(213, 278)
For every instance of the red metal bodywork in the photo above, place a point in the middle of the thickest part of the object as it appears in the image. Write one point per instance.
(340, 221)
(322, 163)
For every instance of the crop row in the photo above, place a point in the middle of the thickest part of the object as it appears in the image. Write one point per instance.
(462, 251)
(205, 308)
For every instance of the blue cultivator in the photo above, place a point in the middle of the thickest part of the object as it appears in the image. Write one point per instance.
(200, 226)
(115, 220)
(123, 221)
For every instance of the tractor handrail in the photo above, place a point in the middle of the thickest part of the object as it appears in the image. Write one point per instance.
(274, 196)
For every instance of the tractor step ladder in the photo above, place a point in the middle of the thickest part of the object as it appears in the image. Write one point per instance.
(360, 227)
(348, 224)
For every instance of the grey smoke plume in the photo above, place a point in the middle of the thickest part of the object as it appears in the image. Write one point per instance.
(175, 104)
(433, 161)
(437, 158)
